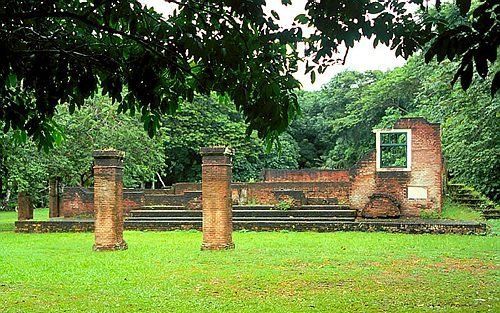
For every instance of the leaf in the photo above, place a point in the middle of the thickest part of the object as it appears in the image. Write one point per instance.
(463, 6)
(12, 80)
(313, 77)
(275, 14)
(481, 64)
(301, 18)
(286, 2)
(495, 84)
(466, 79)
(374, 8)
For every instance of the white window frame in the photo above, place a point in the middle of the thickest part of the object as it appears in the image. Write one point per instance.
(408, 150)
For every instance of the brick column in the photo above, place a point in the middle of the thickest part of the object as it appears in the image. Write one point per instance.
(24, 207)
(54, 197)
(108, 197)
(216, 198)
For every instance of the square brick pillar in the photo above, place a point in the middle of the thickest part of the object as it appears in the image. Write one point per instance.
(24, 207)
(216, 198)
(108, 197)
(54, 197)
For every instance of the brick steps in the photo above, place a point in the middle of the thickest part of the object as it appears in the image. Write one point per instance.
(163, 207)
(247, 213)
(189, 219)
(252, 213)
(267, 207)
(465, 195)
(491, 214)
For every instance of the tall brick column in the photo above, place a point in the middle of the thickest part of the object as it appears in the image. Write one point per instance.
(108, 197)
(24, 207)
(216, 198)
(54, 197)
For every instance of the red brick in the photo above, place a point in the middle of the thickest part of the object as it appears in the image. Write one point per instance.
(24, 207)
(108, 196)
(216, 198)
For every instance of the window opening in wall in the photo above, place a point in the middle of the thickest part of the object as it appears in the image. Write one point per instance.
(393, 149)
(393, 152)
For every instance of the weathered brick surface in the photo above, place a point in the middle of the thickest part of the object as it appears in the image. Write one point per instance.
(108, 200)
(268, 192)
(216, 198)
(79, 201)
(54, 199)
(393, 226)
(356, 187)
(305, 175)
(24, 207)
(426, 171)
(382, 205)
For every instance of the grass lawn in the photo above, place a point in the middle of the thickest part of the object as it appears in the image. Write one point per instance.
(267, 272)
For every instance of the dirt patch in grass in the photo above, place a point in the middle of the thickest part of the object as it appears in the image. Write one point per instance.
(473, 266)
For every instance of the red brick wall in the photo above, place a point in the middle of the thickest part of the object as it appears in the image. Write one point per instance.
(262, 192)
(180, 188)
(426, 172)
(79, 201)
(305, 175)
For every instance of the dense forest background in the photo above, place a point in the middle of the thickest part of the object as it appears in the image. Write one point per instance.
(334, 131)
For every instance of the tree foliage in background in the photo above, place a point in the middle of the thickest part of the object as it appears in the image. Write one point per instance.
(208, 121)
(65, 51)
(171, 156)
(96, 125)
(469, 120)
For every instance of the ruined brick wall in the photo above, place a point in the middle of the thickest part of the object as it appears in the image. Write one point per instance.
(181, 188)
(265, 192)
(305, 175)
(79, 201)
(426, 173)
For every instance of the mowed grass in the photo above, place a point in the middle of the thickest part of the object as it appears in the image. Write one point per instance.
(7, 219)
(267, 272)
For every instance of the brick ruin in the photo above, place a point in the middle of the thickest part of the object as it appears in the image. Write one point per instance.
(108, 196)
(216, 174)
(369, 188)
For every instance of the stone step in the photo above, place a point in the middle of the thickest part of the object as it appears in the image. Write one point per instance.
(162, 191)
(303, 207)
(321, 201)
(491, 214)
(163, 199)
(468, 199)
(162, 207)
(247, 213)
(240, 219)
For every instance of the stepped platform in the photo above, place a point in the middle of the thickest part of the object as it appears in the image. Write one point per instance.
(407, 226)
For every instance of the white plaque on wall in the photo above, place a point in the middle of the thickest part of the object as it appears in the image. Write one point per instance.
(417, 193)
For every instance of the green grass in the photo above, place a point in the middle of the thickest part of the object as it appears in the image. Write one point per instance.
(267, 272)
(455, 211)
(7, 219)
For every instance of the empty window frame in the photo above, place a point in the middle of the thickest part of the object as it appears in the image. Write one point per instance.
(393, 150)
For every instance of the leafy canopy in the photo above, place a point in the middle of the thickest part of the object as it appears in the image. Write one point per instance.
(56, 51)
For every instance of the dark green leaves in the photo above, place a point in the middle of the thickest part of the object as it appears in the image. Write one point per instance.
(374, 8)
(463, 6)
(70, 50)
(301, 18)
(474, 41)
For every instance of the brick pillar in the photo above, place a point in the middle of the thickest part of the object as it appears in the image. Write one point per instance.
(216, 198)
(54, 197)
(24, 207)
(108, 197)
